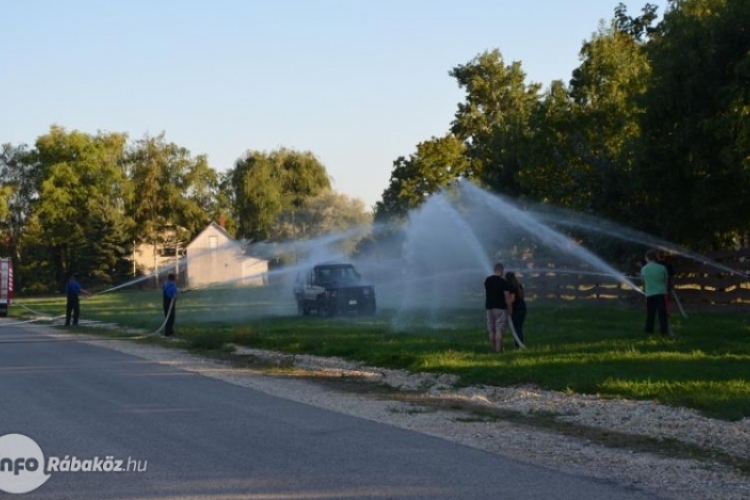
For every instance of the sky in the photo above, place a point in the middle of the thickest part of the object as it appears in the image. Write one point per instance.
(356, 82)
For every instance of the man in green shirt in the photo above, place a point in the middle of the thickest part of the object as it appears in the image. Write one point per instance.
(655, 279)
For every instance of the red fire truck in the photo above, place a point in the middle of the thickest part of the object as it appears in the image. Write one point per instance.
(6, 284)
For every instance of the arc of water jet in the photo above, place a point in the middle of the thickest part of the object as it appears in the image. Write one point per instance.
(523, 220)
(468, 234)
(268, 248)
(544, 270)
(640, 237)
(589, 273)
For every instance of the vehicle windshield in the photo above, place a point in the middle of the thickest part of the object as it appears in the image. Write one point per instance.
(339, 273)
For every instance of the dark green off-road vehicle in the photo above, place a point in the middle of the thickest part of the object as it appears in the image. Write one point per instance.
(334, 288)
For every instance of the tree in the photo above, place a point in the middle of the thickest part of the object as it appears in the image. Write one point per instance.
(327, 213)
(494, 120)
(436, 164)
(200, 196)
(606, 90)
(176, 193)
(257, 195)
(78, 218)
(638, 27)
(18, 183)
(550, 173)
(226, 204)
(697, 173)
(585, 138)
(264, 185)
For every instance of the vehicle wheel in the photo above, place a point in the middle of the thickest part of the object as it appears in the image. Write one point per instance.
(302, 308)
(324, 309)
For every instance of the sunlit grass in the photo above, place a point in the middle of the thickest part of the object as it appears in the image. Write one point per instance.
(594, 347)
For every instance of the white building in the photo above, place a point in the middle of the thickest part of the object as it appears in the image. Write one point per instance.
(215, 258)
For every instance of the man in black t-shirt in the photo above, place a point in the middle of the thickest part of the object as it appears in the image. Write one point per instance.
(499, 305)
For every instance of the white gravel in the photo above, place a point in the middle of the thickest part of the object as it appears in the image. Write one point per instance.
(670, 478)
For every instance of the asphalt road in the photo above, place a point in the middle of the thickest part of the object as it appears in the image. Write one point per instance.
(200, 438)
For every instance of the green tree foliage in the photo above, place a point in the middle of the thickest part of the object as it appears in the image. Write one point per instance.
(176, 194)
(226, 205)
(257, 196)
(18, 181)
(328, 212)
(79, 202)
(696, 170)
(494, 120)
(77, 215)
(264, 185)
(635, 27)
(201, 185)
(436, 164)
(586, 135)
(653, 130)
(550, 175)
(604, 131)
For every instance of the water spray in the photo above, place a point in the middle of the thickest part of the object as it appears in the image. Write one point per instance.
(623, 233)
(529, 224)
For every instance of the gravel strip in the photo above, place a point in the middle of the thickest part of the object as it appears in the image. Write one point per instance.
(670, 478)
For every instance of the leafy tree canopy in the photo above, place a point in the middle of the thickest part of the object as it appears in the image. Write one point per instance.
(264, 185)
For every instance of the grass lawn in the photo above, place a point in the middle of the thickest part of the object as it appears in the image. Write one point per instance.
(584, 347)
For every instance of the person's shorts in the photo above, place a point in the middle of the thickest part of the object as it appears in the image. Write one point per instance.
(497, 320)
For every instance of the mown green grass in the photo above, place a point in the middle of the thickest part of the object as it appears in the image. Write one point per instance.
(592, 347)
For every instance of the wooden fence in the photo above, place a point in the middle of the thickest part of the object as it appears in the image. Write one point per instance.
(721, 278)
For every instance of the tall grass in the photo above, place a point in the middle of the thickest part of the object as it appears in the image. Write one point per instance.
(593, 348)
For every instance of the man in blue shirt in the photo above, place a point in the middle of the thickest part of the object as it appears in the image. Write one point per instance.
(655, 284)
(169, 302)
(73, 306)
